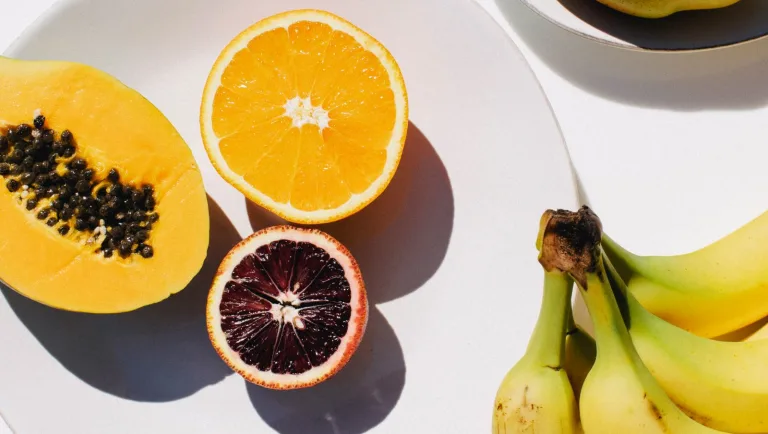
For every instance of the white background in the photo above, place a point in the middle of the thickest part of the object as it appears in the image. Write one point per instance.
(670, 148)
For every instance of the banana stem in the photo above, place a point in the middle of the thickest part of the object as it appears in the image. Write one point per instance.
(630, 307)
(611, 333)
(626, 261)
(547, 344)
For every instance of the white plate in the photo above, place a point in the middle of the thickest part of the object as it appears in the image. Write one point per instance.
(447, 252)
(695, 30)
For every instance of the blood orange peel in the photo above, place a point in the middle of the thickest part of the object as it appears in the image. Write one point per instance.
(287, 308)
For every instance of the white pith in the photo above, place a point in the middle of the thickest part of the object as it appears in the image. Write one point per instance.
(302, 112)
(286, 313)
(286, 210)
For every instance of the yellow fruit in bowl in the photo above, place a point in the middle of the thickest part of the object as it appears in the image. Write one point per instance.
(663, 8)
(306, 115)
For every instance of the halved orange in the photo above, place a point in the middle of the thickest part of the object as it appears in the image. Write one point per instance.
(306, 115)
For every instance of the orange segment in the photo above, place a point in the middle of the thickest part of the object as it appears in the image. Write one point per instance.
(357, 164)
(230, 117)
(269, 173)
(318, 183)
(306, 115)
(309, 42)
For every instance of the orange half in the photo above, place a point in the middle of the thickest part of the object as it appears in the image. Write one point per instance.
(306, 115)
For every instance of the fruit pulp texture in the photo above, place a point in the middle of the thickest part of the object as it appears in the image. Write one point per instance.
(305, 114)
(286, 307)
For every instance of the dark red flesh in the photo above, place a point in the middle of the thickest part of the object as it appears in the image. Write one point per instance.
(260, 281)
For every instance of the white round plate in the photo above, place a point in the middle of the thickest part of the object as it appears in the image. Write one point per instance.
(685, 31)
(447, 252)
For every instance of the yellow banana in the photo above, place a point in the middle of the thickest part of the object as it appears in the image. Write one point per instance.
(709, 292)
(760, 334)
(535, 395)
(721, 384)
(619, 394)
(580, 352)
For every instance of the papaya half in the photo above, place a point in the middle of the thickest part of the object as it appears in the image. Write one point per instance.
(663, 8)
(102, 205)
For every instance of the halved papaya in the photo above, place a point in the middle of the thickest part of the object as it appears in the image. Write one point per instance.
(102, 205)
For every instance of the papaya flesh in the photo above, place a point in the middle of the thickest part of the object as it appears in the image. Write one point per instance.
(102, 205)
(663, 8)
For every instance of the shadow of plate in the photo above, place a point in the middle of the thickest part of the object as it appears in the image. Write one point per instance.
(729, 78)
(158, 353)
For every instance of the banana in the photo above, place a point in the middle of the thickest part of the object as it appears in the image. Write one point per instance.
(756, 330)
(760, 334)
(535, 396)
(720, 384)
(580, 352)
(709, 292)
(619, 395)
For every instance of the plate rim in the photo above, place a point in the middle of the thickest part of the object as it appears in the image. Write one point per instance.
(571, 192)
(629, 47)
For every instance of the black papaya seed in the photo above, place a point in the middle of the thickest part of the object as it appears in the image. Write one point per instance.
(28, 162)
(12, 185)
(147, 252)
(80, 225)
(66, 137)
(113, 175)
(23, 130)
(142, 236)
(83, 186)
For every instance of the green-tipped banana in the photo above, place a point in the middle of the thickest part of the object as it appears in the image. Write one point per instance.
(720, 384)
(709, 292)
(535, 395)
(619, 394)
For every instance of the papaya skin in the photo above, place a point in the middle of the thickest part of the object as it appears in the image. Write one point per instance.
(663, 8)
(114, 127)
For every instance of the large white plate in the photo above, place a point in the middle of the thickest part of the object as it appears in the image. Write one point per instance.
(694, 30)
(447, 252)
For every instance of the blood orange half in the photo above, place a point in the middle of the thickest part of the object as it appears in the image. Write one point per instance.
(287, 308)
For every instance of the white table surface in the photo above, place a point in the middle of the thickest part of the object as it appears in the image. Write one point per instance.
(652, 136)
(670, 148)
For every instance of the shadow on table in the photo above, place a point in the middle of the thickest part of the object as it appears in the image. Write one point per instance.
(353, 401)
(730, 78)
(157, 353)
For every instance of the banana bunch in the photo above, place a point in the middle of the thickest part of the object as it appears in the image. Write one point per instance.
(653, 368)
